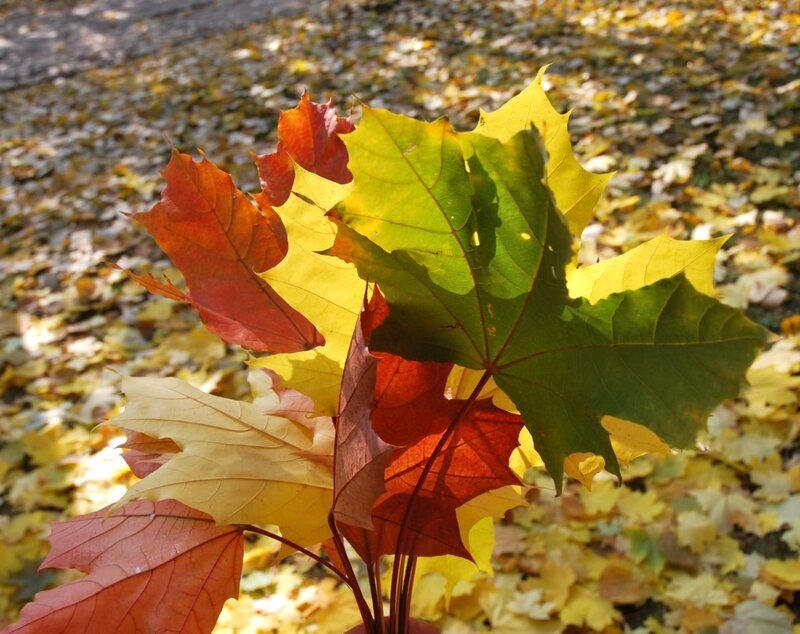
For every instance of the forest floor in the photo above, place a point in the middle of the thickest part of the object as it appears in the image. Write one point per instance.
(696, 106)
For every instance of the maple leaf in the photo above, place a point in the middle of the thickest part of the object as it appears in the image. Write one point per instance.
(467, 443)
(242, 463)
(220, 241)
(476, 522)
(327, 290)
(302, 180)
(361, 455)
(466, 243)
(134, 558)
(248, 270)
(654, 260)
(308, 135)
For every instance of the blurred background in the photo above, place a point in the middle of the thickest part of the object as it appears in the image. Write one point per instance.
(694, 104)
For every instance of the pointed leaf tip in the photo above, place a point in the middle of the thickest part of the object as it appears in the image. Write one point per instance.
(576, 190)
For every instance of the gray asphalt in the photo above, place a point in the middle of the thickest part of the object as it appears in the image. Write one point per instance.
(45, 39)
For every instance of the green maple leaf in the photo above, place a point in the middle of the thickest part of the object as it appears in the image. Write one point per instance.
(465, 240)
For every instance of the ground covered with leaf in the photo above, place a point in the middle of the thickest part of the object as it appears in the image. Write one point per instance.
(697, 107)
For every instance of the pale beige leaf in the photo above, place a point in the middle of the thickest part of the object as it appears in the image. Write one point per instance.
(239, 462)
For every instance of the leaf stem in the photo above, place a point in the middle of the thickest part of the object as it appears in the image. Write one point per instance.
(373, 566)
(404, 559)
(377, 596)
(394, 606)
(351, 579)
(298, 547)
(405, 595)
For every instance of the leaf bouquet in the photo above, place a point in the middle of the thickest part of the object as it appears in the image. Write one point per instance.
(427, 336)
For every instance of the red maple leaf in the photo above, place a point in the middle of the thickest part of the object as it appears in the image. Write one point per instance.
(309, 136)
(450, 451)
(220, 241)
(151, 567)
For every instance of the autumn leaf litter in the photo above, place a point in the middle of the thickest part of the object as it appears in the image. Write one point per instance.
(697, 110)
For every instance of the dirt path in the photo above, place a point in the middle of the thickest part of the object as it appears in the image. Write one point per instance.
(42, 40)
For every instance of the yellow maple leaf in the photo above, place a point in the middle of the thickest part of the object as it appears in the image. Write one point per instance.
(576, 190)
(583, 466)
(524, 457)
(696, 531)
(782, 574)
(462, 381)
(640, 507)
(587, 609)
(237, 462)
(478, 534)
(699, 590)
(651, 261)
(600, 500)
(497, 603)
(332, 304)
(631, 440)
(555, 580)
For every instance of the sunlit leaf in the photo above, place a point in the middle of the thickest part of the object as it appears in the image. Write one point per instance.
(242, 463)
(325, 289)
(655, 260)
(134, 558)
(220, 241)
(308, 135)
(468, 445)
(583, 467)
(361, 455)
(476, 276)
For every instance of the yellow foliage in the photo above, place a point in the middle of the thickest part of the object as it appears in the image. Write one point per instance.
(699, 590)
(631, 440)
(621, 582)
(585, 609)
(601, 499)
(654, 260)
(782, 574)
(695, 531)
(640, 508)
(332, 306)
(524, 457)
(476, 523)
(583, 467)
